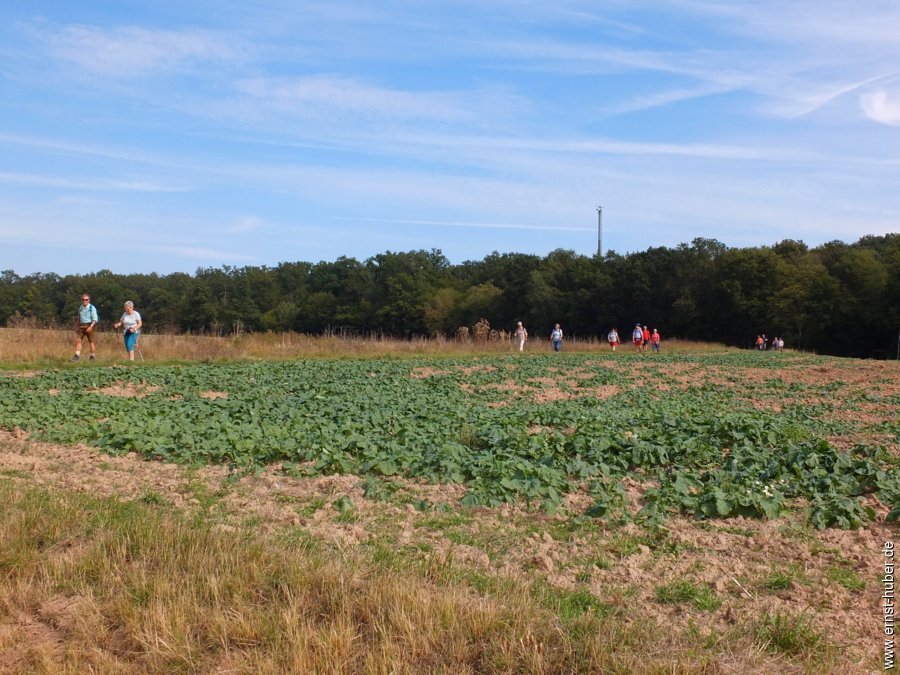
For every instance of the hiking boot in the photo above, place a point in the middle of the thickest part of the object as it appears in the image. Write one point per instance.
(92, 357)
(77, 357)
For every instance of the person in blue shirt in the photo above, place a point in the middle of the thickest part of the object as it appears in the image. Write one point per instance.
(637, 338)
(87, 321)
(556, 336)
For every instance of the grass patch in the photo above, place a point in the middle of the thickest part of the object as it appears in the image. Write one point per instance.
(462, 537)
(783, 578)
(846, 577)
(443, 521)
(791, 634)
(205, 497)
(571, 604)
(347, 517)
(298, 539)
(739, 531)
(624, 545)
(589, 565)
(700, 596)
(153, 498)
(309, 510)
(657, 539)
(778, 581)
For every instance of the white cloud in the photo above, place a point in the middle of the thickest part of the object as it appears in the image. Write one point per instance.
(246, 224)
(587, 58)
(492, 150)
(325, 96)
(67, 147)
(825, 22)
(476, 225)
(133, 51)
(41, 180)
(109, 231)
(882, 106)
(204, 254)
(662, 98)
(795, 57)
(803, 98)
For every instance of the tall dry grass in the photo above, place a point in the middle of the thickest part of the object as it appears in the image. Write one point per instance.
(36, 346)
(93, 585)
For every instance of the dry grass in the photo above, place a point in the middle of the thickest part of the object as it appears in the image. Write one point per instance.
(93, 585)
(168, 568)
(35, 346)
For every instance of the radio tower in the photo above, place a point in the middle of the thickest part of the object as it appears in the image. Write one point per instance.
(599, 231)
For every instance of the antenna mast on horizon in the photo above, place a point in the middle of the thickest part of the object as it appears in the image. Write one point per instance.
(600, 231)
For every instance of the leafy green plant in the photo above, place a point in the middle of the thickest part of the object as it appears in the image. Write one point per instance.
(343, 504)
(378, 489)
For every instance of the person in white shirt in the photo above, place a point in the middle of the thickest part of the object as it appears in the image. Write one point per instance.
(521, 336)
(131, 324)
(637, 338)
(613, 338)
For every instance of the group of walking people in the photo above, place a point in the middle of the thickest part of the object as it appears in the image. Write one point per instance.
(762, 343)
(88, 318)
(641, 337)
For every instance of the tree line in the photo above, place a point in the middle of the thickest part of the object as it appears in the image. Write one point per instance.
(838, 298)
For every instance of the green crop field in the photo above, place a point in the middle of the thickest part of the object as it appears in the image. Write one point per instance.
(727, 508)
(708, 440)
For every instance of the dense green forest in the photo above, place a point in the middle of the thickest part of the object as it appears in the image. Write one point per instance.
(838, 298)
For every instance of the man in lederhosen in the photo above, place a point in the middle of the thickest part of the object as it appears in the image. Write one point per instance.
(87, 321)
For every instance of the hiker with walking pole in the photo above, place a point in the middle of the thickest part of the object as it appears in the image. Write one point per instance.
(87, 321)
(131, 329)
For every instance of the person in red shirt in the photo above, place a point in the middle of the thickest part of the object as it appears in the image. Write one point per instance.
(654, 340)
(645, 339)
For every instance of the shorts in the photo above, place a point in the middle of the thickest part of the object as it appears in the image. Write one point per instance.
(638, 343)
(613, 343)
(131, 341)
(84, 330)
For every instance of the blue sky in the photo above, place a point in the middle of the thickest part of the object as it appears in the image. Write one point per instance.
(164, 136)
